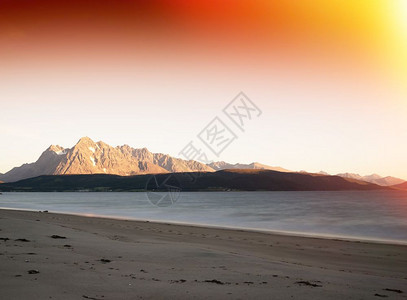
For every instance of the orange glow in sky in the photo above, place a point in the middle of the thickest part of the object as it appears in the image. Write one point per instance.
(335, 72)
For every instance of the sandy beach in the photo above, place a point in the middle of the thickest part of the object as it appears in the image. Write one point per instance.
(55, 256)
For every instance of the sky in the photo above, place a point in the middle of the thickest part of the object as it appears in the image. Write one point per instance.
(330, 79)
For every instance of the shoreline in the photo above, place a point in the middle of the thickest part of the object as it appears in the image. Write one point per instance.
(246, 229)
(59, 256)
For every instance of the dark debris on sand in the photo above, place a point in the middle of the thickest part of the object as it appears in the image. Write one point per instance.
(177, 281)
(394, 291)
(55, 236)
(22, 240)
(91, 298)
(380, 295)
(307, 283)
(215, 281)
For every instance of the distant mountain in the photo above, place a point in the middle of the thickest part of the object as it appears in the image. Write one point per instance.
(221, 165)
(225, 180)
(388, 181)
(374, 178)
(323, 173)
(402, 186)
(88, 157)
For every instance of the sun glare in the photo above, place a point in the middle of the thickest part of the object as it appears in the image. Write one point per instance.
(402, 11)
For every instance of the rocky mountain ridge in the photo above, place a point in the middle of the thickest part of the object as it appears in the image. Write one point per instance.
(89, 157)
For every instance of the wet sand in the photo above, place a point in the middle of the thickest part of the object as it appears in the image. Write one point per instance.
(56, 256)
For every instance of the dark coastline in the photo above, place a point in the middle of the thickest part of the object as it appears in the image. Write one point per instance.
(226, 180)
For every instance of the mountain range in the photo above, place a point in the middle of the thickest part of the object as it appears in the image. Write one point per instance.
(221, 165)
(89, 157)
(374, 178)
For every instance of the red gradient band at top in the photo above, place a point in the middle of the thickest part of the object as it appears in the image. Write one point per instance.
(331, 29)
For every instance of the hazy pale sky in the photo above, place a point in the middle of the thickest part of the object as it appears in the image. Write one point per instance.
(330, 79)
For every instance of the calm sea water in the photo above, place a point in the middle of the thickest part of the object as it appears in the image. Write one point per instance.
(375, 215)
